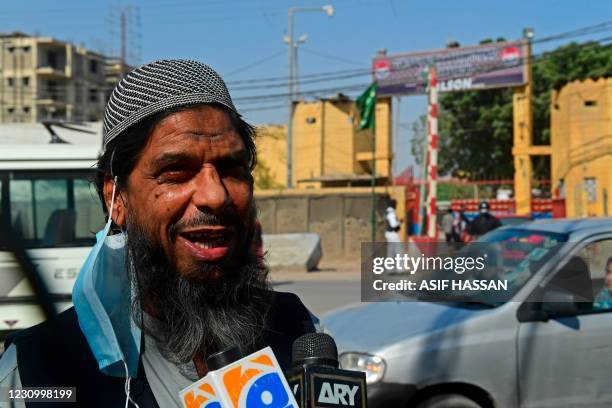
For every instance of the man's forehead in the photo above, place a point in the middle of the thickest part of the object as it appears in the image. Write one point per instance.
(201, 119)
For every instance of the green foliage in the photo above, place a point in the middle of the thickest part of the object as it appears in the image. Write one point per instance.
(476, 126)
(476, 134)
(553, 70)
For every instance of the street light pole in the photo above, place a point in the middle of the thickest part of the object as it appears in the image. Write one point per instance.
(330, 12)
(290, 96)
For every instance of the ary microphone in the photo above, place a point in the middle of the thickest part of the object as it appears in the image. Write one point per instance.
(315, 379)
(234, 381)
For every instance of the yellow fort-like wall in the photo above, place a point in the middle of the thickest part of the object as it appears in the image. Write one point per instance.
(581, 140)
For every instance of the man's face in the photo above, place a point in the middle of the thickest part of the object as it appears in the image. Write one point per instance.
(191, 191)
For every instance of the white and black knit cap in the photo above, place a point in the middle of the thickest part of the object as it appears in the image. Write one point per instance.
(161, 85)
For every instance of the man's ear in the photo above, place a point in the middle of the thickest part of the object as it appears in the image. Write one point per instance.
(119, 210)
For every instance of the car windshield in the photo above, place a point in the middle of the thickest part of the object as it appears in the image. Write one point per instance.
(513, 256)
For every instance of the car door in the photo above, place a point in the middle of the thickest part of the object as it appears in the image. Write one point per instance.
(566, 361)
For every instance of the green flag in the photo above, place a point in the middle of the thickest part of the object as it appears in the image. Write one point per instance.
(366, 103)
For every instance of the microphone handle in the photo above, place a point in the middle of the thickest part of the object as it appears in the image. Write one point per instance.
(315, 386)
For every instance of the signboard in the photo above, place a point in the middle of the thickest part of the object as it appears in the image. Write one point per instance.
(486, 66)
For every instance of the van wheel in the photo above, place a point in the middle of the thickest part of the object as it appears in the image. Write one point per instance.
(448, 401)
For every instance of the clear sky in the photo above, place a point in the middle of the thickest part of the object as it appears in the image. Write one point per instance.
(243, 39)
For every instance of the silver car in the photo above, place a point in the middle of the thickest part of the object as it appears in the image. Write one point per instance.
(550, 345)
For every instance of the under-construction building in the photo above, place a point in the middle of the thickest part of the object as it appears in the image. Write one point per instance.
(42, 78)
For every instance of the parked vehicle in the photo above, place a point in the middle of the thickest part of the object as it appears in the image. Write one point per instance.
(47, 196)
(549, 345)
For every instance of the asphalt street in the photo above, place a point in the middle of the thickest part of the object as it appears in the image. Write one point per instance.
(321, 295)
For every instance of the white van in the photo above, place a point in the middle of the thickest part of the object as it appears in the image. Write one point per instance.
(48, 196)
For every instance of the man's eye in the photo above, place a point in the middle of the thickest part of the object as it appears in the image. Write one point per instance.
(175, 175)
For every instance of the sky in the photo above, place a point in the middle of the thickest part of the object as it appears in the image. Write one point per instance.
(243, 39)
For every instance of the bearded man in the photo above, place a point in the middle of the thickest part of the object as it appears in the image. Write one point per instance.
(173, 277)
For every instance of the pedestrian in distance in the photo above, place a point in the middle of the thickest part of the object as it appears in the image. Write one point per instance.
(484, 221)
(393, 226)
(447, 226)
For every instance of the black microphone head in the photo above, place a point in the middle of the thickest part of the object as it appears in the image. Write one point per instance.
(315, 348)
(222, 358)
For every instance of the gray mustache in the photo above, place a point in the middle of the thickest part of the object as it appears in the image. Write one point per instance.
(205, 218)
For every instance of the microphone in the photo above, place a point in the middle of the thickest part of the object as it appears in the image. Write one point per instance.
(315, 379)
(234, 381)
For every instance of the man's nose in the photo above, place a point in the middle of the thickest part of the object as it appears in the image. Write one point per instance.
(210, 192)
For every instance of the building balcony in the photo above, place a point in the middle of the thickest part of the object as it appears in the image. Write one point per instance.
(52, 72)
(49, 98)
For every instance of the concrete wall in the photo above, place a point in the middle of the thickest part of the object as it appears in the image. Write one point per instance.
(341, 216)
(581, 141)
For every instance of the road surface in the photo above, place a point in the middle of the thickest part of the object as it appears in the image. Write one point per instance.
(321, 292)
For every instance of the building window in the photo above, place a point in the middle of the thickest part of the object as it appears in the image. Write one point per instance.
(52, 59)
(10, 110)
(10, 81)
(52, 90)
(93, 66)
(590, 186)
(11, 49)
(26, 109)
(26, 48)
(93, 95)
(25, 81)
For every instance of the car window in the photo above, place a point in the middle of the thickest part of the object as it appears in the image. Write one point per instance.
(54, 209)
(585, 277)
(598, 257)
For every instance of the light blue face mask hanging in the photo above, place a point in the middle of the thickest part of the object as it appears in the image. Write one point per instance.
(102, 300)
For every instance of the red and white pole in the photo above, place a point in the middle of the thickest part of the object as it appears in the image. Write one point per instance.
(432, 154)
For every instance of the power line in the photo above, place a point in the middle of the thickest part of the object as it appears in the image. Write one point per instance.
(329, 56)
(256, 63)
(263, 108)
(598, 28)
(62, 88)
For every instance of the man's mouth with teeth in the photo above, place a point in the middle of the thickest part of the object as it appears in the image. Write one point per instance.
(209, 244)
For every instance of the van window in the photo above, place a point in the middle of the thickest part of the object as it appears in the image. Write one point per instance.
(54, 209)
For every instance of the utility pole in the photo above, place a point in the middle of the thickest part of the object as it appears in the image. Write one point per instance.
(373, 180)
(522, 112)
(292, 70)
(396, 139)
(290, 103)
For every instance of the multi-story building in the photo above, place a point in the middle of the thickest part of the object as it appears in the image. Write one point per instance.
(42, 78)
(581, 141)
(328, 149)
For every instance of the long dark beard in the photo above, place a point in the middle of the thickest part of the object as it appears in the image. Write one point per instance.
(198, 317)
